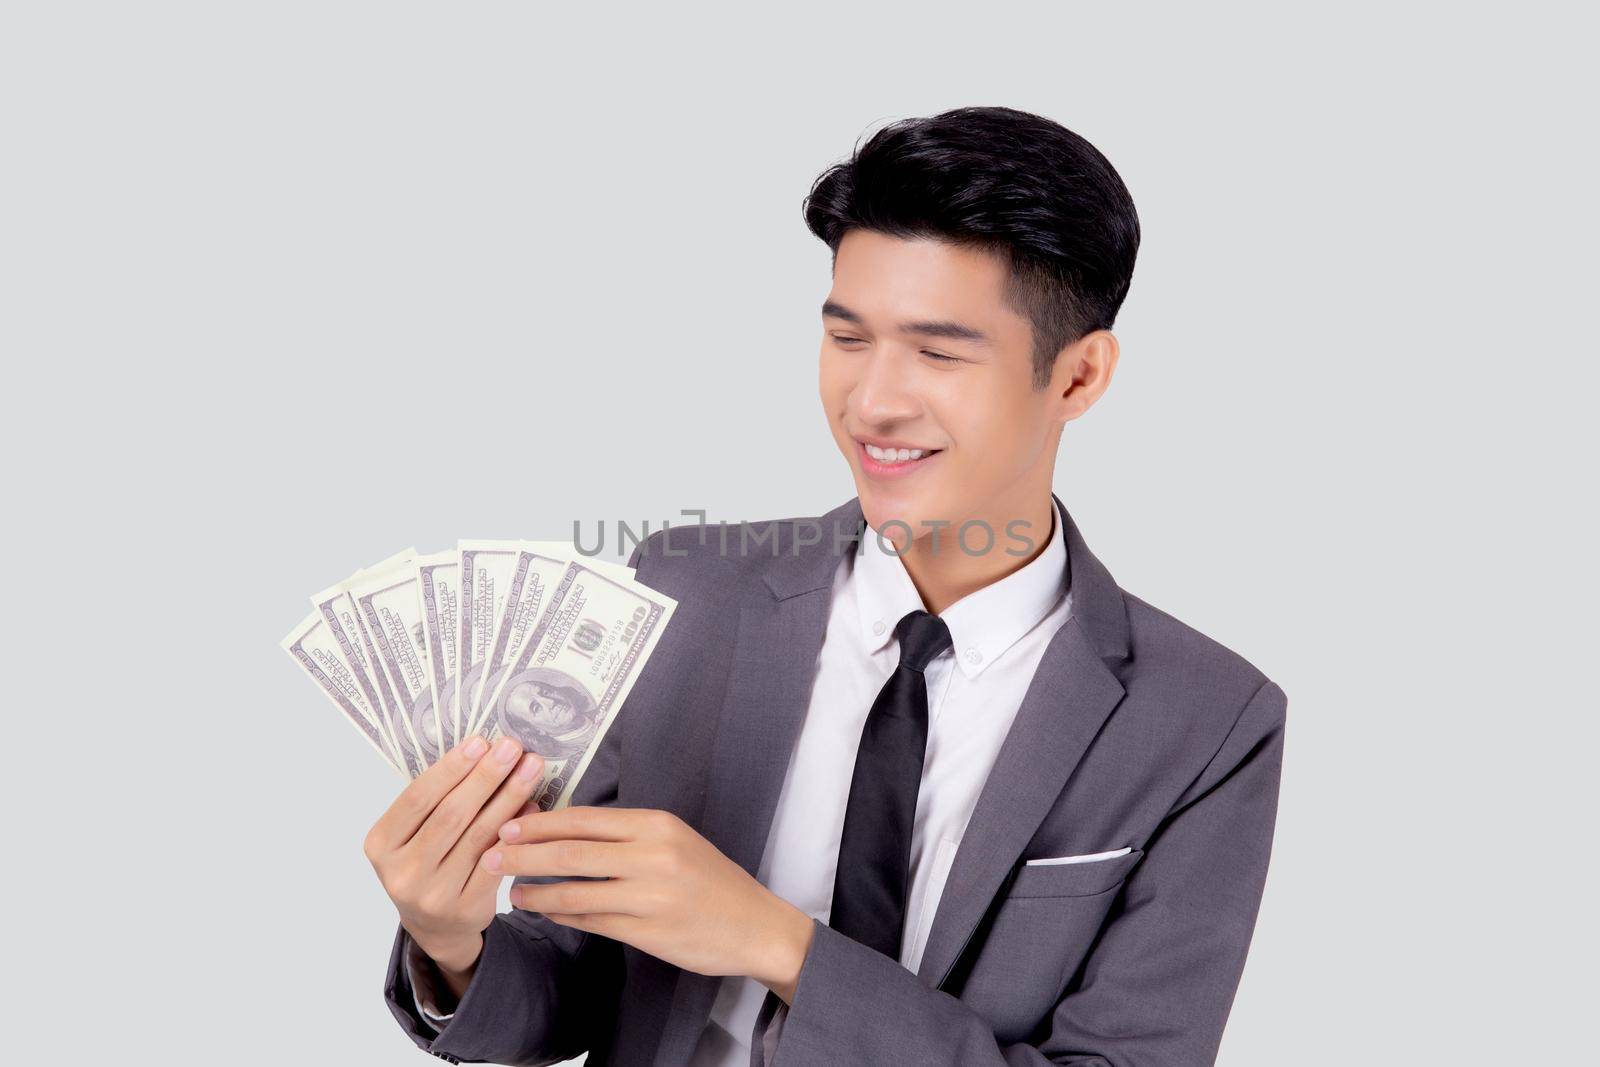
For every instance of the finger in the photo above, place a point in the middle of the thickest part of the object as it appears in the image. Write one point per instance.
(481, 881)
(417, 801)
(595, 823)
(610, 859)
(577, 898)
(461, 860)
(442, 829)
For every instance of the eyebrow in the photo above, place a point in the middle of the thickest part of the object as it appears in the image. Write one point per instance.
(946, 328)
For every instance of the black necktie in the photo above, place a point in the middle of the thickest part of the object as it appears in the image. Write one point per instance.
(870, 886)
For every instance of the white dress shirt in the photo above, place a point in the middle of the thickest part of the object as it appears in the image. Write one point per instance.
(999, 634)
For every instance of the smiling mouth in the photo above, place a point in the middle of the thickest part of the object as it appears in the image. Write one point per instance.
(891, 461)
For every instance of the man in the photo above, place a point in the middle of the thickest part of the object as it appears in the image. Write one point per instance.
(912, 782)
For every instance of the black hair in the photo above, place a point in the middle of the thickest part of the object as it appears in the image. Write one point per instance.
(1011, 183)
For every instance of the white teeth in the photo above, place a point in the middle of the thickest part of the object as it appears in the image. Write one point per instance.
(894, 455)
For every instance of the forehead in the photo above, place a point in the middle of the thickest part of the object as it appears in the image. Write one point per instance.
(887, 280)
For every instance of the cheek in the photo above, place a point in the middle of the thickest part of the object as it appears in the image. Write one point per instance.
(833, 385)
(993, 429)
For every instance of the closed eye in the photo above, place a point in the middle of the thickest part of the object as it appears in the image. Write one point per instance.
(847, 341)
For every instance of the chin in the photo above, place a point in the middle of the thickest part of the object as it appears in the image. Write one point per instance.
(879, 508)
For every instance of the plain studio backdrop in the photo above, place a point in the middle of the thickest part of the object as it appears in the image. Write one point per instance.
(289, 287)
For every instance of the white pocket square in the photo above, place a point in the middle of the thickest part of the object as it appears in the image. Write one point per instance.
(1088, 857)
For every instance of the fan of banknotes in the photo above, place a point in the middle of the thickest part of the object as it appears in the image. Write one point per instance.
(521, 638)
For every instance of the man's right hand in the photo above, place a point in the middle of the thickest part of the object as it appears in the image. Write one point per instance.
(426, 848)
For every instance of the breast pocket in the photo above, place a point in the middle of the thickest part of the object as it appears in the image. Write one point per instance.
(1041, 930)
(1073, 876)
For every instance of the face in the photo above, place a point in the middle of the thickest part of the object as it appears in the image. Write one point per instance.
(551, 710)
(553, 718)
(920, 352)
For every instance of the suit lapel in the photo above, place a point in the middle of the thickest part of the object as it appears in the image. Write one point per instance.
(773, 664)
(769, 687)
(1072, 692)
(1070, 696)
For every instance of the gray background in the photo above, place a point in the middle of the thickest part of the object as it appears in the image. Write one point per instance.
(254, 255)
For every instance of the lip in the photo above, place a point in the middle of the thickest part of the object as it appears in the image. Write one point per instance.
(877, 469)
(886, 442)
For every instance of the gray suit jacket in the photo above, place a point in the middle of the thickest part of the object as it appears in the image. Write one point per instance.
(1136, 731)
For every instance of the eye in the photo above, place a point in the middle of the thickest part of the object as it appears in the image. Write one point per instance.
(845, 339)
(941, 356)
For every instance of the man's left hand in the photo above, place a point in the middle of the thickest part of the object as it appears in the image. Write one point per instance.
(669, 892)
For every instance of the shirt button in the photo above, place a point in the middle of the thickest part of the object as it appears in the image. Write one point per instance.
(878, 627)
(974, 656)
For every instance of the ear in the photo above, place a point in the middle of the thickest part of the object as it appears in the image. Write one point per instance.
(1082, 374)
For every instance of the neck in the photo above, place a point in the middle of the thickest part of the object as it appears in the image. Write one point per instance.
(945, 574)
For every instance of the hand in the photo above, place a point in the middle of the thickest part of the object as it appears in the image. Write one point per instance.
(426, 847)
(670, 892)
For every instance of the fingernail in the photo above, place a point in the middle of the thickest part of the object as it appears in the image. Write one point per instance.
(491, 861)
(510, 831)
(530, 767)
(506, 749)
(475, 747)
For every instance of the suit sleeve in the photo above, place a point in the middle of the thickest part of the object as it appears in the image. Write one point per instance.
(1155, 990)
(424, 990)
(541, 992)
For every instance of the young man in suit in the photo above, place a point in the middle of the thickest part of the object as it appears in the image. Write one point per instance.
(911, 782)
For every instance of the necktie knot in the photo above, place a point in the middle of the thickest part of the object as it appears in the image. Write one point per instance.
(922, 636)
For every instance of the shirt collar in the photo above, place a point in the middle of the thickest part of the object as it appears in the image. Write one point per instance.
(984, 623)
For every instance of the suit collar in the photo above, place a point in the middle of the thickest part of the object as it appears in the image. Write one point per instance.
(984, 624)
(811, 557)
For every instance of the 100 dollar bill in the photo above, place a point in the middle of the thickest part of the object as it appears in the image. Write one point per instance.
(389, 605)
(359, 654)
(535, 569)
(314, 647)
(438, 584)
(561, 689)
(484, 574)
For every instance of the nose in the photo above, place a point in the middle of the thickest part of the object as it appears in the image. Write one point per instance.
(884, 392)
